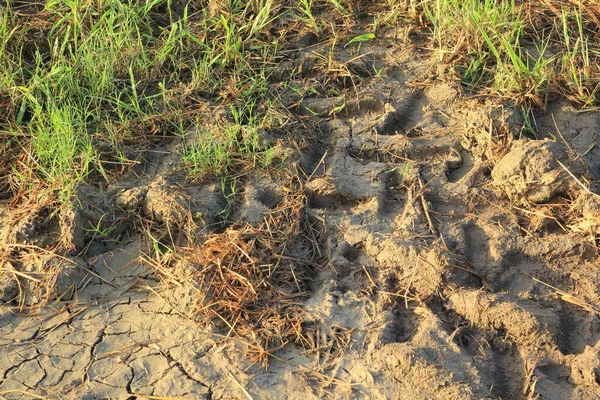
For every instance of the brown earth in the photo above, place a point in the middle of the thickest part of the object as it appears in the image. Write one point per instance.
(441, 250)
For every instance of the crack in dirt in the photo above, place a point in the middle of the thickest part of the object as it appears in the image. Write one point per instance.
(18, 365)
(40, 379)
(130, 380)
(171, 360)
(92, 357)
(170, 312)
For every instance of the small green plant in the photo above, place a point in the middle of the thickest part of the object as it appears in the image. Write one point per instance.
(162, 252)
(576, 62)
(489, 34)
(338, 109)
(98, 231)
(365, 37)
(307, 15)
(229, 190)
(378, 71)
(261, 19)
(217, 152)
(337, 5)
(212, 153)
(403, 172)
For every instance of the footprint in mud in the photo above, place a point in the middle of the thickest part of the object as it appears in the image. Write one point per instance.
(387, 118)
(367, 103)
(403, 116)
(465, 164)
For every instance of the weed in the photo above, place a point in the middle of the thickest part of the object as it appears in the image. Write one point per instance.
(528, 123)
(576, 62)
(229, 191)
(337, 5)
(365, 37)
(307, 16)
(508, 46)
(338, 109)
(162, 252)
(98, 231)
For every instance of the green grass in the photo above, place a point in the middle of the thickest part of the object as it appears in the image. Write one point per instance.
(217, 153)
(71, 86)
(516, 49)
(490, 34)
(102, 72)
(576, 67)
(522, 50)
(79, 75)
(307, 16)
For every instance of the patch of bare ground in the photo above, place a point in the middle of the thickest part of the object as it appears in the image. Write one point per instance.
(418, 243)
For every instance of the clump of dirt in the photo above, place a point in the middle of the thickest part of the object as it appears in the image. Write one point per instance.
(262, 195)
(536, 171)
(29, 224)
(166, 203)
(522, 321)
(579, 129)
(9, 286)
(585, 367)
(89, 215)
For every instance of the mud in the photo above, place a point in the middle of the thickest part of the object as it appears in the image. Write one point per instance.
(459, 256)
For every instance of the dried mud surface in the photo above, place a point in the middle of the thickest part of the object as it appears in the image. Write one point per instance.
(458, 255)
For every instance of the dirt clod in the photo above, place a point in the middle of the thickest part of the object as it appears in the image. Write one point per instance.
(532, 171)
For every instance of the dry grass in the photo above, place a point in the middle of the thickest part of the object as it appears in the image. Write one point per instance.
(252, 280)
(571, 299)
